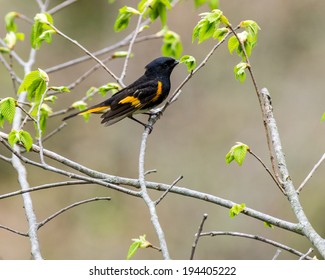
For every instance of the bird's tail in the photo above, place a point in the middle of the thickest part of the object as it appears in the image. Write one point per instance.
(99, 108)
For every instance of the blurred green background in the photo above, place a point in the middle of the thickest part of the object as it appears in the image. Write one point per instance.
(191, 139)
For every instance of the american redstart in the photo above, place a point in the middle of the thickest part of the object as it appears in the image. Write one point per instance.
(145, 93)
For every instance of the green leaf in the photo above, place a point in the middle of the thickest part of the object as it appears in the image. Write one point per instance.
(4, 50)
(239, 71)
(172, 45)
(220, 33)
(237, 153)
(8, 108)
(10, 21)
(41, 31)
(123, 18)
(26, 139)
(233, 44)
(189, 61)
(22, 137)
(267, 224)
(236, 210)
(140, 242)
(13, 137)
(132, 250)
(251, 27)
(60, 89)
(35, 83)
(81, 105)
(155, 9)
(207, 26)
(51, 98)
(114, 87)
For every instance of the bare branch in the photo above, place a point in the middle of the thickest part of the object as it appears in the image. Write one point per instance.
(61, 6)
(70, 207)
(14, 231)
(277, 253)
(85, 50)
(311, 173)
(255, 237)
(197, 236)
(167, 191)
(267, 170)
(145, 196)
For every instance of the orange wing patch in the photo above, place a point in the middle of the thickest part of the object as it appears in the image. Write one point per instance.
(135, 102)
(95, 110)
(158, 92)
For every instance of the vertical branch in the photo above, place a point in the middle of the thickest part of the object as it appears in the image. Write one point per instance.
(22, 174)
(289, 188)
(150, 203)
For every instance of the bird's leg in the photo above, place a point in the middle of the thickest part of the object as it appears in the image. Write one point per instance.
(145, 125)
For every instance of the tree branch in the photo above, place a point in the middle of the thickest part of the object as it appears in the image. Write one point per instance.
(256, 237)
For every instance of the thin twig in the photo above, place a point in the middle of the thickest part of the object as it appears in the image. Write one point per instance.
(85, 50)
(61, 6)
(14, 231)
(255, 237)
(167, 191)
(55, 131)
(277, 253)
(70, 207)
(197, 236)
(44, 187)
(132, 41)
(28, 114)
(304, 256)
(311, 173)
(267, 170)
(103, 51)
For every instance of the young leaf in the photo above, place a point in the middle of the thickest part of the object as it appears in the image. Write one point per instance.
(41, 31)
(81, 105)
(45, 111)
(236, 209)
(189, 61)
(140, 242)
(26, 139)
(239, 71)
(13, 137)
(8, 108)
(114, 87)
(60, 89)
(20, 136)
(123, 18)
(35, 83)
(207, 26)
(251, 27)
(10, 21)
(233, 44)
(220, 33)
(172, 45)
(237, 153)
(132, 249)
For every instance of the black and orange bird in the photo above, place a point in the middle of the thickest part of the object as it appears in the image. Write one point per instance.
(147, 92)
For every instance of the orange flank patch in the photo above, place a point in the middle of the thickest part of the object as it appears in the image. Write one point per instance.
(135, 102)
(158, 92)
(95, 110)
